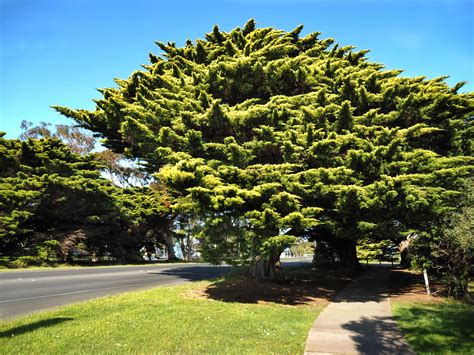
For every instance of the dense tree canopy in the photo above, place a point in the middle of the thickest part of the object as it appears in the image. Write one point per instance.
(269, 135)
(49, 193)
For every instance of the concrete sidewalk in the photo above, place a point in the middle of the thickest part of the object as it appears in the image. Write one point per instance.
(358, 321)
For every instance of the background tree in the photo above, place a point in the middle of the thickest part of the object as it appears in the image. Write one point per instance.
(447, 248)
(302, 248)
(42, 130)
(369, 250)
(268, 136)
(52, 199)
(187, 228)
(79, 140)
(123, 172)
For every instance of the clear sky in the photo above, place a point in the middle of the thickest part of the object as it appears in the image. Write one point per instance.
(57, 52)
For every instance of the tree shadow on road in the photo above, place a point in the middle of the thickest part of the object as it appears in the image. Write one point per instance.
(372, 286)
(195, 273)
(33, 326)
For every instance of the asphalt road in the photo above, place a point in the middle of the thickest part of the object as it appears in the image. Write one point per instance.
(24, 292)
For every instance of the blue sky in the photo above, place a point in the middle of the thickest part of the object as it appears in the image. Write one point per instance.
(57, 52)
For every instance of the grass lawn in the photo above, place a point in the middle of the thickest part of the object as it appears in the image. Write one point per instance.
(431, 324)
(440, 327)
(167, 320)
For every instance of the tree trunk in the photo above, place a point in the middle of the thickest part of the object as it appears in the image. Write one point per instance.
(188, 247)
(404, 249)
(347, 253)
(345, 249)
(170, 246)
(182, 246)
(324, 254)
(267, 268)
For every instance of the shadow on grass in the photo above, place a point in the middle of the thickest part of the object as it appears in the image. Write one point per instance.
(301, 287)
(377, 283)
(404, 281)
(33, 326)
(377, 335)
(438, 328)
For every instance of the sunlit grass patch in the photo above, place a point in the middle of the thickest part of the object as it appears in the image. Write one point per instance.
(161, 320)
(437, 327)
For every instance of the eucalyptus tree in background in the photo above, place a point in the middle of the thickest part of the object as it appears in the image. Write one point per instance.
(268, 135)
(123, 172)
(115, 167)
(79, 140)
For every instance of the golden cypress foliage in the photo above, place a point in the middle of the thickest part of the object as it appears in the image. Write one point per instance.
(265, 113)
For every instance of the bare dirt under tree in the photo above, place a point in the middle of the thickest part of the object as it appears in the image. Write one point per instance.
(309, 287)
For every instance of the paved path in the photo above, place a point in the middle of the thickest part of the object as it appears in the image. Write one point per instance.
(359, 321)
(23, 292)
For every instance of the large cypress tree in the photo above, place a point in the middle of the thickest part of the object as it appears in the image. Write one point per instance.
(268, 135)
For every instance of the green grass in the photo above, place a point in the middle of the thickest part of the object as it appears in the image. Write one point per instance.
(161, 320)
(437, 327)
(92, 266)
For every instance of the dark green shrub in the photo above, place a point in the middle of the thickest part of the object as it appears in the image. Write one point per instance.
(47, 252)
(448, 248)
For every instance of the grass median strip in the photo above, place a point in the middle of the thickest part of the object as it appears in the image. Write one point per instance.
(166, 319)
(95, 266)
